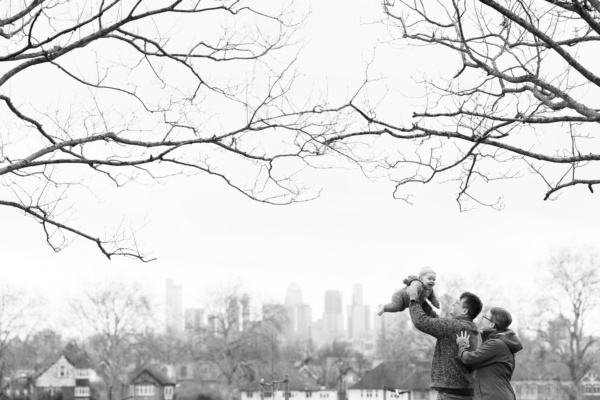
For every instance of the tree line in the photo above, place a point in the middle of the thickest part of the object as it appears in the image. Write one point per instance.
(115, 324)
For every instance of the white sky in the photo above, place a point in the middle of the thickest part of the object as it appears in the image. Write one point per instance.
(205, 234)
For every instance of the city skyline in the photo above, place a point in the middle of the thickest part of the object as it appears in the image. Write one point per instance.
(190, 316)
(205, 235)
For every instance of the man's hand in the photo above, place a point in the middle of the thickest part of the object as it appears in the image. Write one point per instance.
(462, 339)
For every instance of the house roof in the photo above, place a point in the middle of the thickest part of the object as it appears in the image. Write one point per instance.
(396, 375)
(154, 372)
(550, 370)
(73, 354)
(76, 356)
(296, 380)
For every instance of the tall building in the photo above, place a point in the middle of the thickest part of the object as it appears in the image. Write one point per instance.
(245, 311)
(303, 313)
(174, 307)
(193, 319)
(299, 314)
(359, 315)
(233, 315)
(293, 295)
(333, 320)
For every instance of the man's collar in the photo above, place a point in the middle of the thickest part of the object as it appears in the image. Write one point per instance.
(465, 317)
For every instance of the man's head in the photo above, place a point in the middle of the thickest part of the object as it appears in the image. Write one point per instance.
(468, 305)
(498, 318)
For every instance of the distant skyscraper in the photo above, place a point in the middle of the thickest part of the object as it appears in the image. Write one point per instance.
(359, 315)
(174, 307)
(245, 311)
(299, 314)
(357, 293)
(333, 320)
(233, 315)
(193, 319)
(303, 321)
(293, 296)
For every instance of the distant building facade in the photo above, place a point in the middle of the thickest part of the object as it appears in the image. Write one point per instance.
(333, 320)
(66, 376)
(194, 319)
(173, 307)
(359, 316)
(150, 384)
(299, 315)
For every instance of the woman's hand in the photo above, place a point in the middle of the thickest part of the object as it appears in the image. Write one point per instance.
(462, 339)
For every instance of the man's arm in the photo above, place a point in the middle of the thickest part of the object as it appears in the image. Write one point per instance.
(428, 310)
(429, 324)
(433, 299)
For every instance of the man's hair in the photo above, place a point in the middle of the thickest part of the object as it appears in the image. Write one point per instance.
(501, 318)
(472, 303)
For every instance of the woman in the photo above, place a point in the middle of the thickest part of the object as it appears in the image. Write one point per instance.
(494, 360)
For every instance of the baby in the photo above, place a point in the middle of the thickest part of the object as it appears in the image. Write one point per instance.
(400, 298)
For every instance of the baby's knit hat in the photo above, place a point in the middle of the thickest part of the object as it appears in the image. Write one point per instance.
(425, 270)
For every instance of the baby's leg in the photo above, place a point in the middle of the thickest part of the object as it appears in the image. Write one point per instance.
(397, 304)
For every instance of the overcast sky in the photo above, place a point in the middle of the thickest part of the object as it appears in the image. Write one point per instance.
(204, 234)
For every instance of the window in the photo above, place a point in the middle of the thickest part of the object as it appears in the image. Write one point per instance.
(591, 389)
(24, 392)
(308, 394)
(82, 391)
(144, 390)
(62, 371)
(249, 394)
(168, 392)
(82, 373)
(183, 371)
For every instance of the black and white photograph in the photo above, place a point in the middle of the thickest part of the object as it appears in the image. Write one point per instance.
(299, 200)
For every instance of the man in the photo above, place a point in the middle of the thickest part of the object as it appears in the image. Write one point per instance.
(449, 376)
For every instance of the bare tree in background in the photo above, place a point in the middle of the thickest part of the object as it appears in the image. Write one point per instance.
(518, 94)
(236, 344)
(115, 315)
(572, 302)
(19, 316)
(125, 90)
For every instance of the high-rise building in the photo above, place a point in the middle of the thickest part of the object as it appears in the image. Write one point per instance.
(333, 320)
(357, 293)
(193, 319)
(174, 307)
(359, 315)
(303, 321)
(233, 315)
(293, 295)
(299, 314)
(245, 311)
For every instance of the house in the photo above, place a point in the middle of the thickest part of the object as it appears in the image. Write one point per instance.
(149, 383)
(394, 380)
(67, 375)
(19, 388)
(554, 385)
(299, 386)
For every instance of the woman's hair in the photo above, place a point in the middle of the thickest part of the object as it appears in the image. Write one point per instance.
(501, 318)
